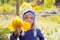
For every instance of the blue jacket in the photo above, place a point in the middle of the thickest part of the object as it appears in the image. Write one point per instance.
(29, 35)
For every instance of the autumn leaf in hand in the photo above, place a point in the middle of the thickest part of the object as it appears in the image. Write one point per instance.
(15, 22)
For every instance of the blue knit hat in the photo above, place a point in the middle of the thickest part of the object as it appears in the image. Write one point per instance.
(30, 12)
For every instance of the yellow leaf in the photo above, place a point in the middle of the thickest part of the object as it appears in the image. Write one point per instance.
(16, 22)
(26, 26)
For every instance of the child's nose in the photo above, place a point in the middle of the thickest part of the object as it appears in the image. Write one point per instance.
(29, 20)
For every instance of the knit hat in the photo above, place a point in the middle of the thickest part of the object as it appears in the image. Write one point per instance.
(29, 12)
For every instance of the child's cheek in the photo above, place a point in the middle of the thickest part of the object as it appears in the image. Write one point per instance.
(31, 22)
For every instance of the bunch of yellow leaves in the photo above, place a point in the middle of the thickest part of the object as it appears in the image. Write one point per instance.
(17, 22)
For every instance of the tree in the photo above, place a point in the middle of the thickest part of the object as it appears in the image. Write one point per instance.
(17, 7)
(2, 1)
(58, 3)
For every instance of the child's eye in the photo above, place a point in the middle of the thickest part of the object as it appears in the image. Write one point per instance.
(26, 17)
(31, 17)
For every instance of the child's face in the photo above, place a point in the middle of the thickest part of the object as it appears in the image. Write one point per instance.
(28, 18)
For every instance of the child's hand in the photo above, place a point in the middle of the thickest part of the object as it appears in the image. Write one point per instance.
(17, 31)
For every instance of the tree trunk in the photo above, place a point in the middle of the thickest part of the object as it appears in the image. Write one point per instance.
(17, 7)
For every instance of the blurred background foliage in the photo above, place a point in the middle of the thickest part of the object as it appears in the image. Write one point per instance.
(47, 16)
(4, 34)
(10, 5)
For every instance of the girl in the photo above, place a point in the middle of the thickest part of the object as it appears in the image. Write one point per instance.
(32, 34)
